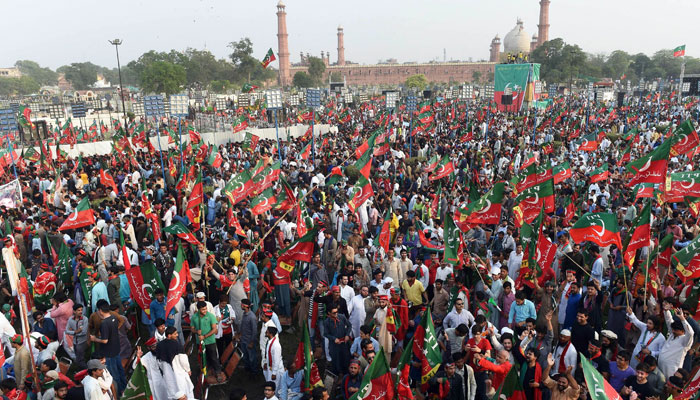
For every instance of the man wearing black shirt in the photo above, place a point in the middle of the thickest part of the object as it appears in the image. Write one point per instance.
(110, 347)
(638, 383)
(581, 332)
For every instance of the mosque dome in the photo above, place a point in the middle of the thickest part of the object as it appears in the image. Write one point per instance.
(517, 39)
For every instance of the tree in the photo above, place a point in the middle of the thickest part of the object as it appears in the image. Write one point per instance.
(163, 77)
(302, 80)
(476, 76)
(81, 75)
(336, 77)
(246, 68)
(41, 75)
(220, 86)
(316, 70)
(18, 86)
(418, 81)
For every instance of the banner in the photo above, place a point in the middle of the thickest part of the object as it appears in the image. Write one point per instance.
(11, 194)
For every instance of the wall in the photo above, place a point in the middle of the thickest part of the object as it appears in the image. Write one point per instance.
(217, 138)
(394, 74)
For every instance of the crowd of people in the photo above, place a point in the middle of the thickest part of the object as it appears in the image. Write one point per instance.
(375, 280)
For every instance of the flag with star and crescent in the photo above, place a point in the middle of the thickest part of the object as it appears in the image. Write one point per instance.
(377, 382)
(600, 228)
(426, 348)
(181, 275)
(598, 387)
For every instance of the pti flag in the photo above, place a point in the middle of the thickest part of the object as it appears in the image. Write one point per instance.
(443, 169)
(181, 275)
(82, 216)
(269, 57)
(600, 228)
(641, 235)
(650, 168)
(143, 281)
(426, 348)
(138, 387)
(687, 260)
(377, 382)
(679, 51)
(486, 210)
(598, 387)
(360, 193)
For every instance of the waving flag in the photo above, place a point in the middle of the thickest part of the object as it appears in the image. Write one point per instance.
(377, 382)
(425, 347)
(600, 228)
(444, 168)
(181, 275)
(486, 210)
(598, 387)
(650, 168)
(360, 193)
(641, 235)
(685, 139)
(269, 57)
(82, 216)
(599, 174)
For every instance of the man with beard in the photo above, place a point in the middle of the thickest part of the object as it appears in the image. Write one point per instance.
(384, 338)
(562, 386)
(155, 378)
(573, 262)
(290, 383)
(565, 354)
(351, 382)
(371, 303)
(356, 308)
(165, 264)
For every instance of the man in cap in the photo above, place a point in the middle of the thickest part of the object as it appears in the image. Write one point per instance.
(266, 318)
(47, 349)
(22, 359)
(155, 378)
(565, 354)
(351, 382)
(200, 296)
(91, 386)
(678, 343)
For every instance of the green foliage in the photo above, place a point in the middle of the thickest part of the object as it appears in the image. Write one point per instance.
(81, 75)
(246, 68)
(18, 86)
(336, 77)
(316, 70)
(302, 80)
(220, 86)
(476, 76)
(418, 81)
(163, 77)
(42, 75)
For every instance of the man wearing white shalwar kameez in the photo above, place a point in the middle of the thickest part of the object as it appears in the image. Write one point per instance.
(272, 365)
(356, 308)
(679, 341)
(155, 379)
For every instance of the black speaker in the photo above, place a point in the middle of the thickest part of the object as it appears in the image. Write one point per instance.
(620, 99)
(507, 99)
(427, 94)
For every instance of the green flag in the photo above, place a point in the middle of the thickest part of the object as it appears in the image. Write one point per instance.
(138, 387)
(598, 387)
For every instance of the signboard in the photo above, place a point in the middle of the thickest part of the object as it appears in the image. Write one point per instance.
(11, 194)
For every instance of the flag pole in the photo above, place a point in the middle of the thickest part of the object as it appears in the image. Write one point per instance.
(160, 150)
(680, 85)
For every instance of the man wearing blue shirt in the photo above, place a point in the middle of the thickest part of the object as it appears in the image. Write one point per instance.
(157, 310)
(521, 311)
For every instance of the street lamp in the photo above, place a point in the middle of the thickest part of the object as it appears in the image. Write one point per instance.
(273, 98)
(411, 105)
(154, 107)
(313, 100)
(116, 43)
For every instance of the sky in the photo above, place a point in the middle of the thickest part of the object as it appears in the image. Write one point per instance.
(58, 32)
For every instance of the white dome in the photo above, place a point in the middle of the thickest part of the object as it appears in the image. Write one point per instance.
(517, 39)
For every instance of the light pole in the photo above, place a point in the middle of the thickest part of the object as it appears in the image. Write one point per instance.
(273, 98)
(116, 43)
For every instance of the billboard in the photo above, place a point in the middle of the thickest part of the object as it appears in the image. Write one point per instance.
(511, 85)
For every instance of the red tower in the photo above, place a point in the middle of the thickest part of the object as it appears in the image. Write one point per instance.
(543, 26)
(341, 47)
(285, 78)
(495, 53)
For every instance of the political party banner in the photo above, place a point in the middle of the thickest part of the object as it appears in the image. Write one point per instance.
(11, 194)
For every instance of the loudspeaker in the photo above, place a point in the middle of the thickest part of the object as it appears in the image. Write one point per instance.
(620, 99)
(427, 94)
(507, 99)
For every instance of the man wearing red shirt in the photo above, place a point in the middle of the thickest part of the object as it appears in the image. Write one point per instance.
(500, 370)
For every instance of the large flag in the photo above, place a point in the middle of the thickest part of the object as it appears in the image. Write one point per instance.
(215, 159)
(181, 275)
(443, 169)
(65, 263)
(304, 361)
(151, 216)
(138, 387)
(181, 231)
(682, 184)
(239, 187)
(561, 172)
(432, 164)
(650, 168)
(367, 145)
(426, 348)
(679, 51)
(107, 180)
(599, 174)
(641, 235)
(364, 164)
(529, 202)
(263, 202)
(143, 281)
(377, 382)
(360, 193)
(511, 388)
(301, 249)
(600, 228)
(250, 142)
(269, 57)
(685, 139)
(598, 387)
(486, 210)
(687, 260)
(82, 216)
(239, 123)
